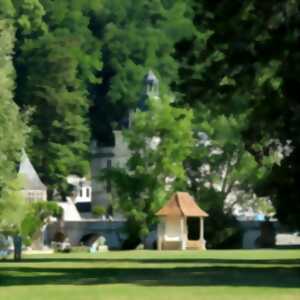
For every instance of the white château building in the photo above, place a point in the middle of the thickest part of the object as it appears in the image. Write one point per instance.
(79, 205)
(82, 188)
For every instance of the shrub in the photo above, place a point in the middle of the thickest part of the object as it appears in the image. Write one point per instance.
(59, 237)
(98, 210)
(222, 231)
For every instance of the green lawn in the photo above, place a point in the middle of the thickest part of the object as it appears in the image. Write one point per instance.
(142, 275)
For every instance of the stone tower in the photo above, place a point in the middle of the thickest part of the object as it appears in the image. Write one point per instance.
(118, 155)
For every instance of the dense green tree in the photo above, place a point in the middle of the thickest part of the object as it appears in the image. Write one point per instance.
(7, 10)
(28, 18)
(57, 60)
(223, 173)
(238, 62)
(12, 129)
(160, 139)
(12, 209)
(243, 61)
(23, 220)
(11, 126)
(221, 161)
(136, 36)
(37, 215)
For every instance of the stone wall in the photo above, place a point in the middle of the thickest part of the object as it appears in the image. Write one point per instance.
(76, 231)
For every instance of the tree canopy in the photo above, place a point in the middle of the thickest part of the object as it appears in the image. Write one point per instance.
(77, 67)
(12, 128)
(160, 140)
(136, 36)
(242, 62)
(58, 59)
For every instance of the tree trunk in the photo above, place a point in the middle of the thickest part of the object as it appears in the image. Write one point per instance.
(17, 248)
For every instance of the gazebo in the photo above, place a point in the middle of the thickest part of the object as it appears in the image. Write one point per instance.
(181, 224)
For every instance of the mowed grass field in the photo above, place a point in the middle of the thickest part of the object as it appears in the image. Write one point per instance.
(142, 275)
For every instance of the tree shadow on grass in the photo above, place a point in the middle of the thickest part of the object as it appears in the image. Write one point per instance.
(66, 259)
(255, 276)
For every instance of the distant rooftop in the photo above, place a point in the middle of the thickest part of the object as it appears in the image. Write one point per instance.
(182, 204)
(31, 178)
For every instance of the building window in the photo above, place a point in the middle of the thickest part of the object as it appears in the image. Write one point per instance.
(87, 192)
(32, 196)
(80, 193)
(108, 164)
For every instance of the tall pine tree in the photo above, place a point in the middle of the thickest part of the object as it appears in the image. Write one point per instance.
(57, 61)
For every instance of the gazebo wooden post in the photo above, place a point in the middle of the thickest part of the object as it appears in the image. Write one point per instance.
(201, 229)
(182, 219)
(160, 235)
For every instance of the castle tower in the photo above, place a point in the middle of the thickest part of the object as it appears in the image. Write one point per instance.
(151, 90)
(118, 155)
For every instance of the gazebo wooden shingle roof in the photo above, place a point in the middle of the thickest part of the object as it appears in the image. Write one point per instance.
(182, 204)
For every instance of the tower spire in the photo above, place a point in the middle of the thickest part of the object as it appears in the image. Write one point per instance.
(151, 85)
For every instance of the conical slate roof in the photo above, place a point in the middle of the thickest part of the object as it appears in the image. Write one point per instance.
(182, 204)
(29, 175)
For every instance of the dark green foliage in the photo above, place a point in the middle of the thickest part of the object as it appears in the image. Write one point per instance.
(98, 210)
(13, 208)
(159, 142)
(234, 63)
(12, 128)
(284, 188)
(136, 36)
(59, 124)
(7, 9)
(221, 230)
(243, 62)
(267, 238)
(37, 215)
(56, 66)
